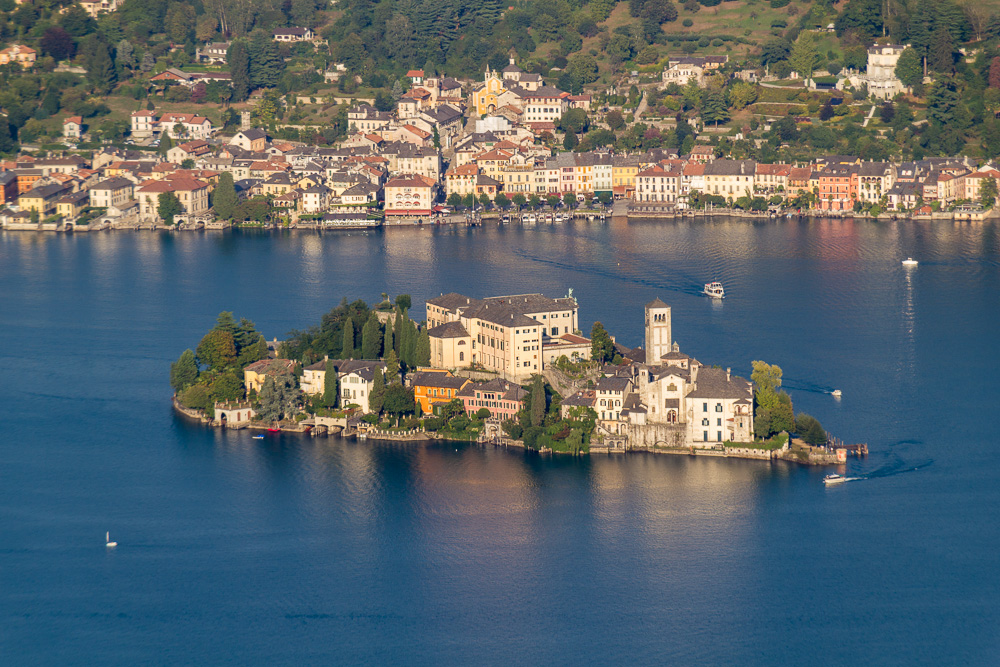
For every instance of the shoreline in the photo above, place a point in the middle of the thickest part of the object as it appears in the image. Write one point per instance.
(641, 215)
(743, 453)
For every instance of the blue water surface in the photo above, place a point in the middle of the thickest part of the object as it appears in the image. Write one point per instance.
(294, 550)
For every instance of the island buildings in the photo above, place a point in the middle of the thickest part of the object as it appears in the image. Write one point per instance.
(667, 399)
(504, 334)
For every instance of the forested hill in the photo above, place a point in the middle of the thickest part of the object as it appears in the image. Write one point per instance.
(460, 37)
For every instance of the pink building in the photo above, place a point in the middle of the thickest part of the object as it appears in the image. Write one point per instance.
(501, 397)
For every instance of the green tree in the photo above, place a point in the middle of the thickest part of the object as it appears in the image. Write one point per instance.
(399, 401)
(330, 385)
(569, 199)
(217, 350)
(238, 60)
(403, 302)
(909, 68)
(941, 101)
(469, 200)
(101, 69)
(713, 108)
(377, 396)
(423, 348)
(941, 57)
(454, 200)
(166, 143)
(371, 338)
(484, 200)
(742, 94)
(168, 207)
(810, 430)
(570, 141)
(988, 193)
(224, 197)
(266, 64)
(602, 348)
(184, 371)
(228, 387)
(537, 401)
(391, 365)
(279, 398)
(519, 200)
(347, 347)
(502, 201)
(196, 397)
(804, 57)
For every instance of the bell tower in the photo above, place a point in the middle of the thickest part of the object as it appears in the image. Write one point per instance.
(658, 334)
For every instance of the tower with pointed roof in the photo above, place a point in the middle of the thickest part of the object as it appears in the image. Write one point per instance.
(658, 334)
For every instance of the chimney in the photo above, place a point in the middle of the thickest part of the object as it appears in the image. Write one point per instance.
(326, 357)
(728, 371)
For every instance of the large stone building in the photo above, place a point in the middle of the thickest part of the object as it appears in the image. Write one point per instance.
(669, 399)
(505, 334)
(880, 76)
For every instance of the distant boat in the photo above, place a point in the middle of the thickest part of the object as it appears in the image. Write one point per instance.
(107, 540)
(715, 290)
(837, 479)
(836, 393)
(909, 261)
(258, 437)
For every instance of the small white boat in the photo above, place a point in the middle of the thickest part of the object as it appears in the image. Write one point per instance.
(829, 480)
(258, 437)
(836, 393)
(107, 540)
(715, 290)
(909, 261)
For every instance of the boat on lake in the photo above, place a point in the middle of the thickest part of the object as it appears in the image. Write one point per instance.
(258, 437)
(715, 290)
(107, 541)
(830, 480)
(909, 261)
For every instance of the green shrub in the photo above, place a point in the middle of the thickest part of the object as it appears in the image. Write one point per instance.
(687, 23)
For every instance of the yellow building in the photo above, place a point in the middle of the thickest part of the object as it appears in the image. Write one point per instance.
(624, 169)
(255, 374)
(434, 388)
(485, 95)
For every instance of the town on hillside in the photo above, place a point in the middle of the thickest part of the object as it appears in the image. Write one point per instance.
(505, 370)
(310, 117)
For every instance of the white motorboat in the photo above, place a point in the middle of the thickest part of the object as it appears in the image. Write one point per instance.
(836, 393)
(258, 437)
(715, 290)
(107, 541)
(909, 261)
(829, 480)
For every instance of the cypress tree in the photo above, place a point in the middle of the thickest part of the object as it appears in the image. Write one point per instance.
(371, 338)
(378, 393)
(387, 345)
(224, 197)
(537, 402)
(410, 349)
(238, 59)
(397, 337)
(423, 351)
(347, 350)
(330, 385)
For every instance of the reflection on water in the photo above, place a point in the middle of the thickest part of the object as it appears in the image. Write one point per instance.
(289, 548)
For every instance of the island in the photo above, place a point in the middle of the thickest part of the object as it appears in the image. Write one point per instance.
(512, 371)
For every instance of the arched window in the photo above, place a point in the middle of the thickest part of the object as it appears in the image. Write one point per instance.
(718, 407)
(672, 417)
(461, 356)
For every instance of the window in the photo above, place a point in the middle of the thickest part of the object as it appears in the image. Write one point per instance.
(461, 356)
(704, 436)
(704, 422)
(704, 407)
(718, 407)
(718, 422)
(718, 436)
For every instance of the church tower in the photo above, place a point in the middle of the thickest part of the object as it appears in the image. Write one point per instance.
(658, 338)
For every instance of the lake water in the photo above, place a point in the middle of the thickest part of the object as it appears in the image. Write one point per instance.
(293, 550)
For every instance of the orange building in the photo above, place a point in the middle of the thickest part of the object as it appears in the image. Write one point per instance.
(434, 388)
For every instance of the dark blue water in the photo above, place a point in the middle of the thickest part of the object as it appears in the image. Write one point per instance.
(299, 551)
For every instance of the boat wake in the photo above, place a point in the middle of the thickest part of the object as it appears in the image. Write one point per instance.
(897, 465)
